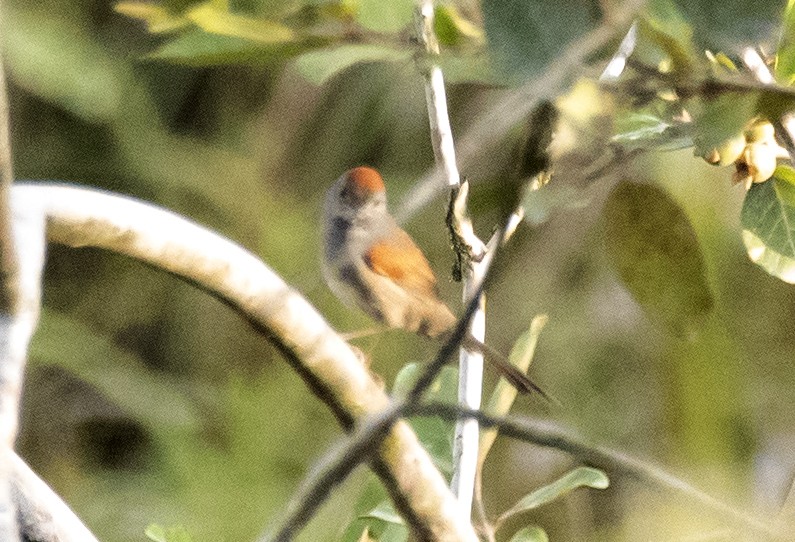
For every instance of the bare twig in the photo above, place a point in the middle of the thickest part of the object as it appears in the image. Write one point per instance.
(470, 376)
(494, 123)
(81, 217)
(552, 436)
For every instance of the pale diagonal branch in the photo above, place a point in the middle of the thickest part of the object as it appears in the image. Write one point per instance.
(81, 217)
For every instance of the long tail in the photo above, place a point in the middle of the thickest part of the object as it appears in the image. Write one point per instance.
(507, 370)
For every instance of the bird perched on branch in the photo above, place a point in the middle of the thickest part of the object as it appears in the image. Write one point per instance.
(372, 263)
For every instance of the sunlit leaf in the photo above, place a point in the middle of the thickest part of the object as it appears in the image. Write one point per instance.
(385, 512)
(158, 533)
(211, 19)
(386, 17)
(196, 47)
(652, 245)
(530, 534)
(320, 65)
(504, 394)
(526, 35)
(453, 29)
(785, 55)
(638, 126)
(158, 19)
(768, 219)
(577, 478)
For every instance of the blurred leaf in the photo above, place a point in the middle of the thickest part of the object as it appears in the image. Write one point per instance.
(768, 219)
(530, 534)
(385, 512)
(320, 65)
(211, 19)
(434, 433)
(638, 126)
(453, 29)
(469, 68)
(579, 477)
(198, 48)
(652, 246)
(525, 36)
(725, 25)
(120, 375)
(722, 119)
(664, 25)
(785, 55)
(54, 60)
(157, 18)
(504, 394)
(386, 17)
(158, 533)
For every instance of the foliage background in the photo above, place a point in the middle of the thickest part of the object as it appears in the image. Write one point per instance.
(148, 401)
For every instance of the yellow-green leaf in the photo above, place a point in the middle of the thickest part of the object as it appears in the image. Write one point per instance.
(209, 18)
(157, 18)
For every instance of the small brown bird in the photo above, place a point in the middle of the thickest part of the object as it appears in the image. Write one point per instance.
(372, 263)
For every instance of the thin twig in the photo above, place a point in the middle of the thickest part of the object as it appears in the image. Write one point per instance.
(82, 217)
(552, 436)
(494, 123)
(470, 376)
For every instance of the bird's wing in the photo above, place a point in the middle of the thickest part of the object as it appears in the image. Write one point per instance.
(398, 258)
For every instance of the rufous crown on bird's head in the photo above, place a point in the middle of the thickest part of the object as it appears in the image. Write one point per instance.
(360, 184)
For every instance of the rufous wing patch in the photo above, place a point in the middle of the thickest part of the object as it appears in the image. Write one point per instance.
(398, 258)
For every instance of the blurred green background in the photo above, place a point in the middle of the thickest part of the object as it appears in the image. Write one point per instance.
(148, 401)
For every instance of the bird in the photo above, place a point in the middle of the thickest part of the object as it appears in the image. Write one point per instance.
(370, 262)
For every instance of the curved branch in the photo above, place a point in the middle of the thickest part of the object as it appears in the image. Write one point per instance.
(81, 217)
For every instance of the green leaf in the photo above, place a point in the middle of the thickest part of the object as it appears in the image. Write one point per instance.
(664, 25)
(158, 19)
(785, 55)
(387, 17)
(198, 48)
(768, 220)
(579, 477)
(320, 65)
(394, 533)
(209, 18)
(385, 512)
(453, 29)
(504, 394)
(434, 433)
(158, 533)
(525, 35)
(651, 244)
(530, 534)
(722, 119)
